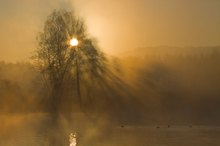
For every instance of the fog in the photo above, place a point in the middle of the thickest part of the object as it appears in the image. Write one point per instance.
(150, 85)
(122, 93)
(181, 84)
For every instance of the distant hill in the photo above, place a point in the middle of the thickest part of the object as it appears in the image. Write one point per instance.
(170, 50)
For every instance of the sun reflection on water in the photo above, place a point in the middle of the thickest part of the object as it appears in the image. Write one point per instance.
(72, 139)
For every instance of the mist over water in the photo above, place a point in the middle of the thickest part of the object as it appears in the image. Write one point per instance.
(74, 93)
(147, 90)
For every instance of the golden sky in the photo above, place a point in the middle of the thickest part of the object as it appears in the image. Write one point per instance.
(118, 25)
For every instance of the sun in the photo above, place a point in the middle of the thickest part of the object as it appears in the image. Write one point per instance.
(74, 42)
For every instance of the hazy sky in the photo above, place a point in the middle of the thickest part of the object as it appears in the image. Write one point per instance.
(117, 24)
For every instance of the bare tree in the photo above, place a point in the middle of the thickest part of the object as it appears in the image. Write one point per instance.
(64, 66)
